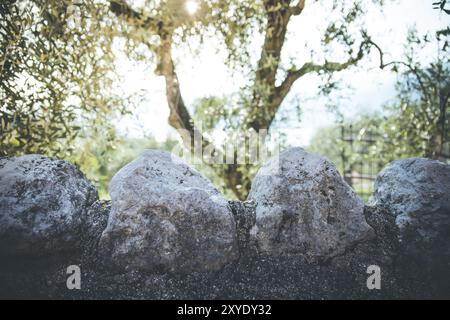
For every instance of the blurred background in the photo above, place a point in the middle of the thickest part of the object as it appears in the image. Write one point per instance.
(96, 82)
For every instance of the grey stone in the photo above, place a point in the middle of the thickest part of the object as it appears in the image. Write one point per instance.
(42, 205)
(94, 222)
(166, 216)
(304, 206)
(416, 191)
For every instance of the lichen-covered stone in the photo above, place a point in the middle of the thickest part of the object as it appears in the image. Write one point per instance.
(304, 206)
(416, 191)
(166, 216)
(42, 204)
(252, 276)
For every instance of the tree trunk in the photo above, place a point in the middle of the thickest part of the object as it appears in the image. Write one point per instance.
(266, 96)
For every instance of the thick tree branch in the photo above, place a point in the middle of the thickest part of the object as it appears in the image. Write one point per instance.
(275, 33)
(298, 8)
(179, 117)
(293, 75)
(267, 97)
(123, 10)
(278, 15)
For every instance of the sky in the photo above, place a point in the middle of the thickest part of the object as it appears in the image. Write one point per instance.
(206, 74)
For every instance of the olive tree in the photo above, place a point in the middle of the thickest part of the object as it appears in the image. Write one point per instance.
(162, 26)
(55, 70)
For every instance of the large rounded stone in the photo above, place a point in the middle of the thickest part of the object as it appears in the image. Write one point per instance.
(304, 206)
(417, 192)
(42, 204)
(166, 216)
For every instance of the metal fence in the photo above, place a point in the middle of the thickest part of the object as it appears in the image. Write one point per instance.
(359, 164)
(358, 170)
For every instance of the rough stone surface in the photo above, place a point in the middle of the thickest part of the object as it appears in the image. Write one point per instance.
(304, 206)
(255, 274)
(42, 204)
(166, 216)
(416, 192)
(94, 222)
(259, 276)
(245, 217)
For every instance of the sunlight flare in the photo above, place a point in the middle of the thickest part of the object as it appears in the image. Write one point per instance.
(192, 7)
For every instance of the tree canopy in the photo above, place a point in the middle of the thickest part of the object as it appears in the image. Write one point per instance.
(56, 68)
(58, 64)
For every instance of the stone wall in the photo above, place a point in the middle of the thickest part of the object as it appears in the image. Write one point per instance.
(169, 233)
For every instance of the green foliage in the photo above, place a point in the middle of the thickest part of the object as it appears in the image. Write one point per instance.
(334, 143)
(327, 142)
(55, 74)
(231, 22)
(421, 115)
(57, 68)
(223, 116)
(101, 154)
(415, 124)
(234, 25)
(210, 111)
(359, 149)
